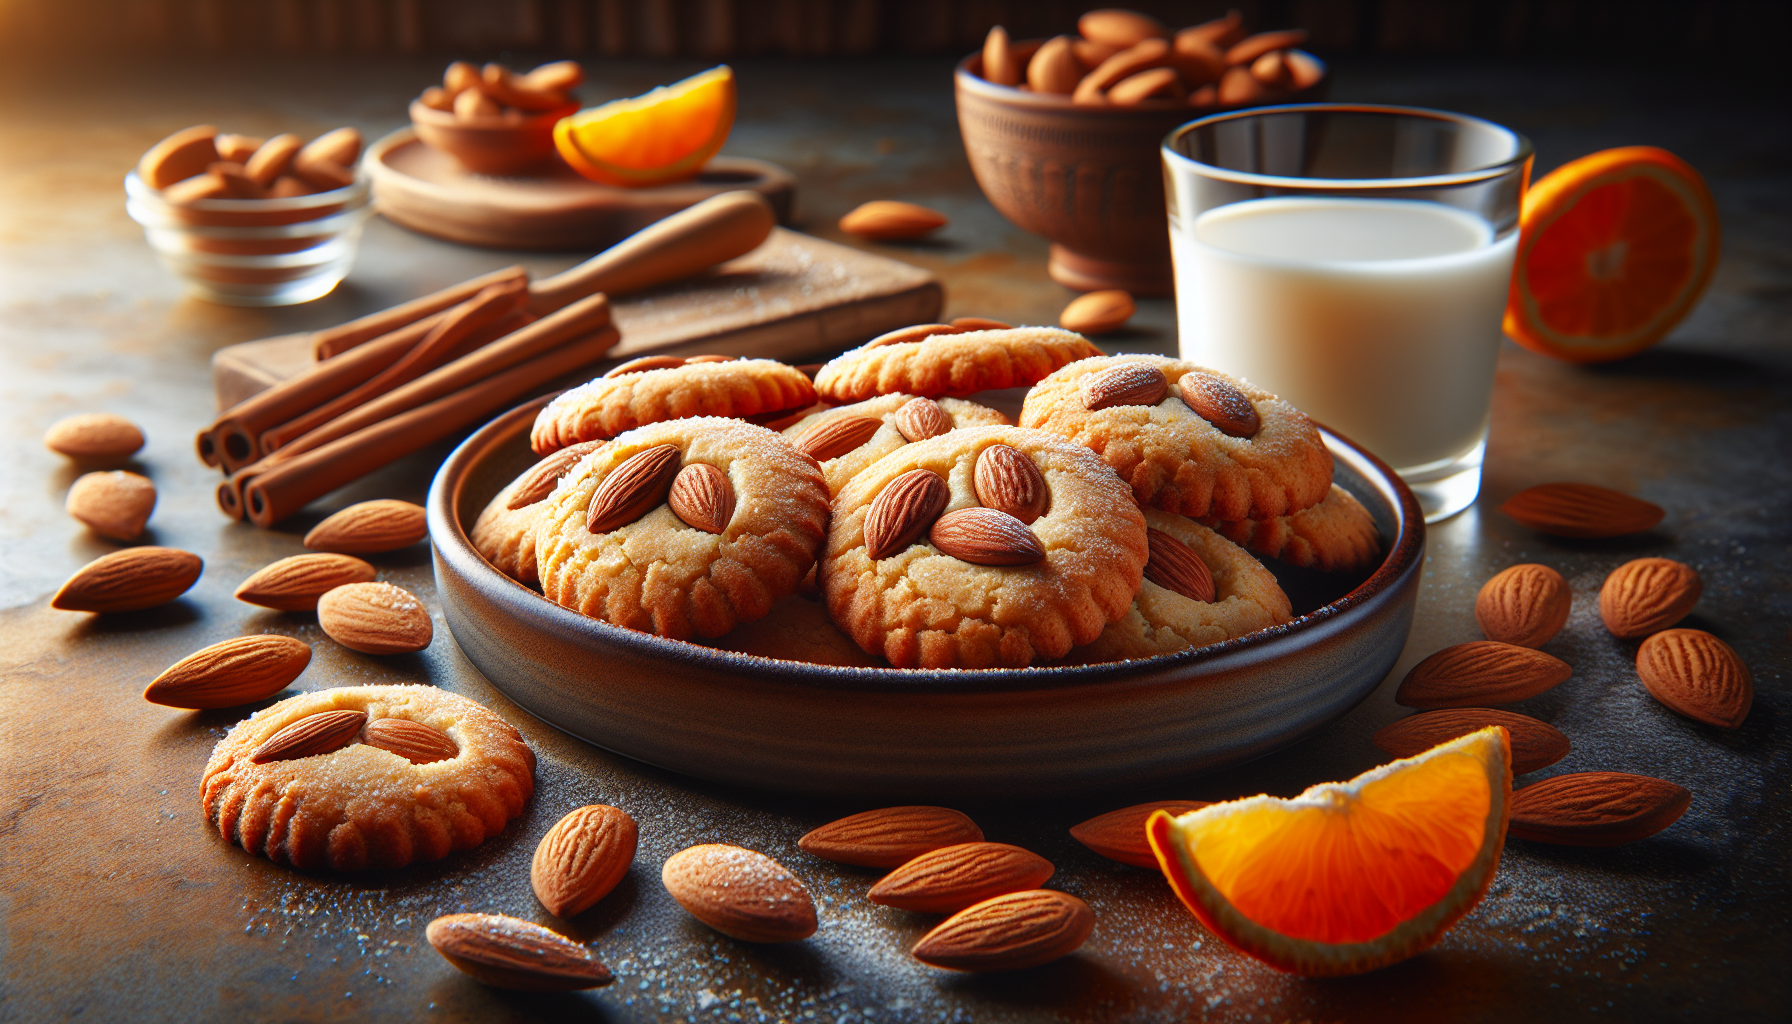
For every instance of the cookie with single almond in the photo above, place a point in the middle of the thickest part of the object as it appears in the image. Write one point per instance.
(1336, 535)
(849, 438)
(942, 359)
(505, 531)
(749, 389)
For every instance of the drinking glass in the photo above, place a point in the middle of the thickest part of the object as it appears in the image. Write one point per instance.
(1354, 260)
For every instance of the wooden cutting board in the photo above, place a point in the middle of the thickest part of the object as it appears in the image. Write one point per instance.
(795, 298)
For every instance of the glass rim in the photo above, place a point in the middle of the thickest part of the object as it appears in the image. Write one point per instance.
(1521, 155)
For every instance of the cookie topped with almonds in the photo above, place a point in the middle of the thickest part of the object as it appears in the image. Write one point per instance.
(932, 360)
(505, 531)
(652, 390)
(849, 438)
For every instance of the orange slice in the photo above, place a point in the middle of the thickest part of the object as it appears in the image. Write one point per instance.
(1348, 876)
(664, 135)
(1614, 250)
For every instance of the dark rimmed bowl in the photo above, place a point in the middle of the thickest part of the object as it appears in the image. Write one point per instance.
(913, 733)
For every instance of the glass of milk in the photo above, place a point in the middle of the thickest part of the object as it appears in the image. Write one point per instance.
(1354, 260)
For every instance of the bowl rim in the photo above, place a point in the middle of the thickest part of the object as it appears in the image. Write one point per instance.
(973, 82)
(137, 189)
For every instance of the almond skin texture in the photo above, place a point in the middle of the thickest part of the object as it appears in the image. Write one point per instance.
(1647, 595)
(116, 505)
(740, 893)
(633, 489)
(886, 220)
(1534, 744)
(311, 735)
(833, 438)
(1174, 567)
(1581, 510)
(702, 497)
(1698, 675)
(539, 482)
(375, 618)
(1098, 312)
(1054, 67)
(1524, 605)
(1596, 808)
(1126, 384)
(413, 741)
(903, 511)
(948, 880)
(295, 583)
(1220, 404)
(1009, 933)
(1120, 835)
(1008, 481)
(1116, 27)
(506, 952)
(370, 527)
(986, 536)
(130, 580)
(890, 836)
(920, 419)
(94, 436)
(1478, 673)
(582, 858)
(235, 672)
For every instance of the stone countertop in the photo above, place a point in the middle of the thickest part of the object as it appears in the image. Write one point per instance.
(118, 901)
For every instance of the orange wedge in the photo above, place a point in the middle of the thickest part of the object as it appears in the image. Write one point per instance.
(1348, 876)
(1614, 250)
(664, 135)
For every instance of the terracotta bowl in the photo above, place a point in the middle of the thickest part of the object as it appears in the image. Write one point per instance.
(495, 146)
(913, 734)
(1090, 179)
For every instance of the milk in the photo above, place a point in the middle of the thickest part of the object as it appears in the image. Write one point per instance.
(1378, 317)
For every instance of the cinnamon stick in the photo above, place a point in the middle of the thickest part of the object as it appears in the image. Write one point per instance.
(336, 340)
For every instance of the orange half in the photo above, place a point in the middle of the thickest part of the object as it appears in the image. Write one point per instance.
(1614, 249)
(662, 136)
(1348, 876)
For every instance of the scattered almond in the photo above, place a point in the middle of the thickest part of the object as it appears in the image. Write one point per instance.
(1009, 933)
(1698, 675)
(903, 511)
(1054, 67)
(413, 741)
(1173, 566)
(94, 436)
(314, 734)
(1596, 808)
(1098, 312)
(644, 364)
(986, 536)
(232, 673)
(920, 419)
(890, 836)
(179, 156)
(740, 893)
(130, 580)
(1581, 510)
(1524, 605)
(633, 489)
(294, 584)
(1120, 835)
(834, 437)
(375, 618)
(544, 476)
(370, 527)
(116, 504)
(1534, 744)
(887, 220)
(1126, 384)
(582, 858)
(1480, 672)
(702, 497)
(507, 952)
(1645, 595)
(1007, 480)
(950, 879)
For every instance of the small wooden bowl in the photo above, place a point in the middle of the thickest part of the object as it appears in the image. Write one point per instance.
(496, 145)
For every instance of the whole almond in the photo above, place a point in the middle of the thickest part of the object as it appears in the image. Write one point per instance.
(130, 580)
(199, 186)
(232, 673)
(1098, 312)
(1581, 510)
(1009, 933)
(179, 156)
(114, 504)
(1054, 68)
(947, 880)
(1524, 605)
(633, 489)
(834, 437)
(986, 536)
(94, 435)
(340, 146)
(1534, 744)
(540, 480)
(375, 618)
(1249, 49)
(1147, 53)
(314, 734)
(1007, 480)
(1126, 384)
(702, 497)
(1117, 27)
(460, 77)
(913, 333)
(1238, 86)
(294, 583)
(1120, 835)
(1219, 402)
(288, 187)
(582, 858)
(1173, 566)
(890, 836)
(920, 419)
(644, 364)
(1698, 675)
(740, 893)
(506, 952)
(1154, 84)
(1273, 70)
(437, 98)
(1478, 673)
(999, 65)
(1645, 595)
(903, 511)
(273, 158)
(370, 527)
(1220, 33)
(325, 174)
(236, 179)
(238, 148)
(413, 741)
(1596, 808)
(980, 323)
(558, 76)
(1199, 62)
(887, 220)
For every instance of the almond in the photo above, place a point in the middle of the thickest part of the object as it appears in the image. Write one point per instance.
(1090, 54)
(375, 618)
(740, 893)
(460, 77)
(559, 76)
(980, 323)
(339, 146)
(288, 187)
(582, 858)
(1116, 27)
(1157, 83)
(1126, 384)
(1273, 70)
(1054, 68)
(644, 364)
(1120, 835)
(702, 497)
(999, 65)
(1480, 672)
(1007, 480)
(1098, 312)
(294, 584)
(314, 734)
(413, 741)
(437, 98)
(324, 174)
(370, 527)
(633, 489)
(890, 836)
(986, 536)
(887, 220)
(1148, 53)
(272, 159)
(1534, 744)
(1220, 403)
(1524, 605)
(1596, 808)
(920, 419)
(1249, 49)
(1646, 595)
(1173, 566)
(231, 673)
(1008, 933)
(236, 179)
(130, 580)
(834, 437)
(1238, 86)
(507, 952)
(1698, 675)
(912, 333)
(903, 510)
(237, 147)
(179, 156)
(94, 435)
(947, 880)
(115, 505)
(1581, 510)
(1220, 33)
(199, 186)
(544, 476)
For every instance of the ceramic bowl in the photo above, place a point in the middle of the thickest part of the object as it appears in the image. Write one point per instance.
(915, 734)
(495, 145)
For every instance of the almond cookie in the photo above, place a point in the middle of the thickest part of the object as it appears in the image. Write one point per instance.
(1187, 439)
(849, 438)
(683, 527)
(505, 532)
(367, 777)
(1226, 595)
(1336, 535)
(988, 546)
(948, 360)
(609, 405)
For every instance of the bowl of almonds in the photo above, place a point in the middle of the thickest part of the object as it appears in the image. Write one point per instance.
(493, 120)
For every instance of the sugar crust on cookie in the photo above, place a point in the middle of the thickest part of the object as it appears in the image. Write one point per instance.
(608, 406)
(951, 364)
